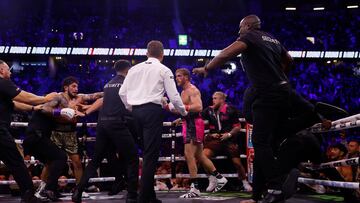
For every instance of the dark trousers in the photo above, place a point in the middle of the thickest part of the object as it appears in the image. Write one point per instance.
(114, 133)
(38, 143)
(117, 168)
(280, 115)
(269, 109)
(150, 118)
(11, 157)
(299, 148)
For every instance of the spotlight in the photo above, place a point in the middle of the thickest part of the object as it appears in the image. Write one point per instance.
(229, 68)
(352, 6)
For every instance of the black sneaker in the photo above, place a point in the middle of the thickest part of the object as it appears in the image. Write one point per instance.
(59, 195)
(51, 195)
(116, 188)
(76, 196)
(273, 198)
(29, 197)
(155, 201)
(289, 186)
(131, 200)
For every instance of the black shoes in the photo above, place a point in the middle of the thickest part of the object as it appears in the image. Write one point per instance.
(288, 189)
(76, 196)
(29, 197)
(155, 201)
(51, 195)
(131, 200)
(59, 195)
(289, 186)
(116, 188)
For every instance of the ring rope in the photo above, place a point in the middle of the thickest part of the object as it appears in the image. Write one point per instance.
(338, 184)
(347, 119)
(177, 158)
(70, 180)
(93, 139)
(337, 127)
(333, 164)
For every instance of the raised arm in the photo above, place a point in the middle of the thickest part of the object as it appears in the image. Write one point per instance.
(229, 52)
(24, 107)
(30, 98)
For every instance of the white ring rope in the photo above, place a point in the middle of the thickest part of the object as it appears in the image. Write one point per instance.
(336, 127)
(338, 184)
(111, 179)
(177, 158)
(347, 119)
(165, 124)
(91, 125)
(70, 180)
(333, 164)
(93, 139)
(201, 175)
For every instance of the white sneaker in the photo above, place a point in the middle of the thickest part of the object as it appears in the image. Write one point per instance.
(212, 183)
(85, 195)
(247, 186)
(220, 183)
(193, 193)
(39, 190)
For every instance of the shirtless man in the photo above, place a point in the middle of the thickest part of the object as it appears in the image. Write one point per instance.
(193, 134)
(64, 133)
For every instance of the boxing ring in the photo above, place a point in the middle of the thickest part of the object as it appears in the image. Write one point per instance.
(172, 135)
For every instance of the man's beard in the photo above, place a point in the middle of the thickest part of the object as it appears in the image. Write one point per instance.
(71, 95)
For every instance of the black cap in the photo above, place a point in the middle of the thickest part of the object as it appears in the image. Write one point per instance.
(121, 65)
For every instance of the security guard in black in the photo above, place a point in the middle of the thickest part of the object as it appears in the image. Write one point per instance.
(112, 131)
(9, 153)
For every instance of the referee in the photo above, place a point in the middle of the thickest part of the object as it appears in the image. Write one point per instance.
(142, 91)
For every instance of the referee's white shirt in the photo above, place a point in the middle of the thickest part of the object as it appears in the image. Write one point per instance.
(147, 82)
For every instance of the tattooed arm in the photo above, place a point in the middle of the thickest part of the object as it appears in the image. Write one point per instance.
(91, 97)
(55, 107)
(48, 108)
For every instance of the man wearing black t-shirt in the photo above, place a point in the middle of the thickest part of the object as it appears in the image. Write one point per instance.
(264, 60)
(112, 130)
(11, 97)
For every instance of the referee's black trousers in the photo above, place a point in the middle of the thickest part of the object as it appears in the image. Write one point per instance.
(150, 118)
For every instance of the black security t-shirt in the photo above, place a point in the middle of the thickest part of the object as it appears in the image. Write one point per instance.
(262, 59)
(8, 91)
(113, 108)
